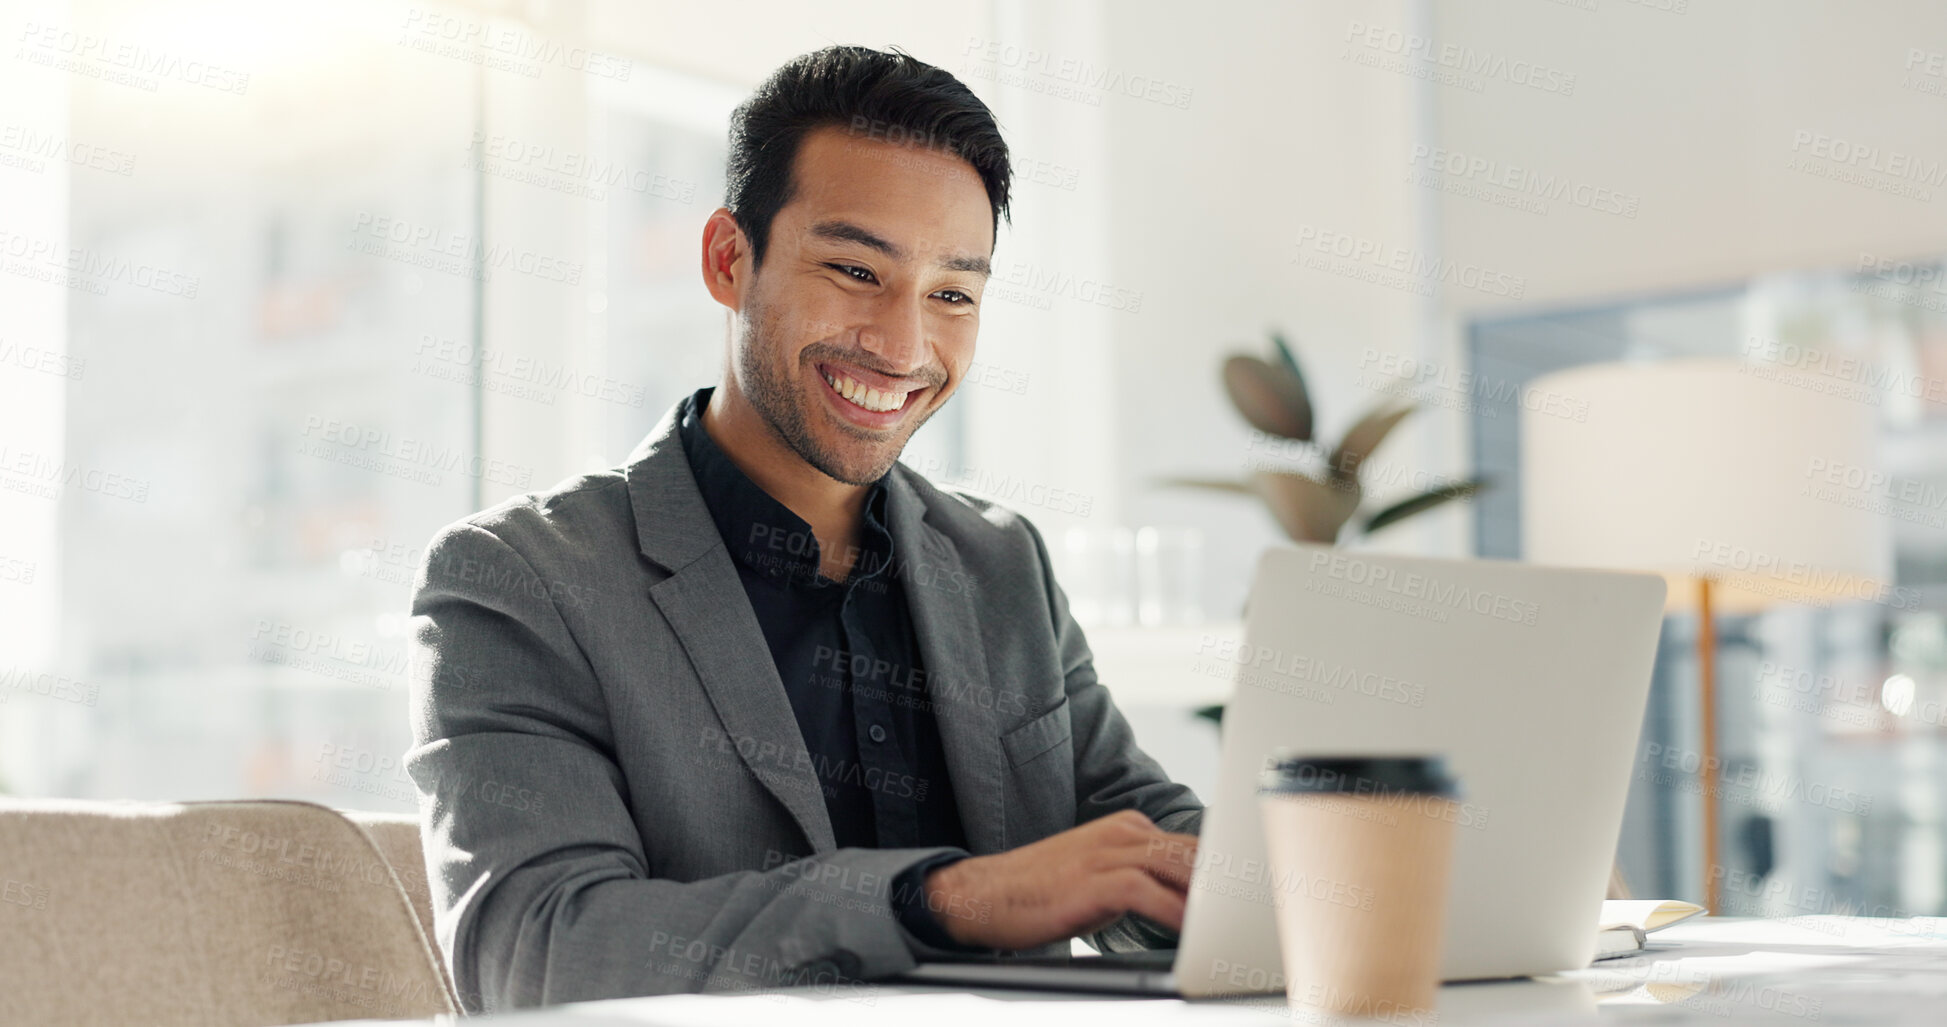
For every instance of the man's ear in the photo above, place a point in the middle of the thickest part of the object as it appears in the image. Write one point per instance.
(727, 263)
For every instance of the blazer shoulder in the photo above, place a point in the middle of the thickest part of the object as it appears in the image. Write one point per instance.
(579, 518)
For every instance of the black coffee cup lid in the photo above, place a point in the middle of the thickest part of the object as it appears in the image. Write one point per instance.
(1295, 774)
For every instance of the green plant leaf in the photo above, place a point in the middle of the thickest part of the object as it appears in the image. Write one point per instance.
(1364, 437)
(1268, 397)
(1421, 503)
(1289, 360)
(1307, 509)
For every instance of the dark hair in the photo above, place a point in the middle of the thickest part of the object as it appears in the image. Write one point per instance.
(888, 96)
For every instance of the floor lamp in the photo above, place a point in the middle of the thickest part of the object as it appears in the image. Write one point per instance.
(1733, 482)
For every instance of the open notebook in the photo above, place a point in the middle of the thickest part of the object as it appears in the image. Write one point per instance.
(1625, 922)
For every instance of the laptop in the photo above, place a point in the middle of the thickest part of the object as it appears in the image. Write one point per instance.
(1530, 680)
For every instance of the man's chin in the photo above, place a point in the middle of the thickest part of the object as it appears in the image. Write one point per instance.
(853, 467)
(845, 456)
(859, 472)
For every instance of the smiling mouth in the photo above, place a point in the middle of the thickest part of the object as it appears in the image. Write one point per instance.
(869, 399)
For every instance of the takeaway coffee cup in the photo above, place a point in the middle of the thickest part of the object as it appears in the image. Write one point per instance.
(1361, 849)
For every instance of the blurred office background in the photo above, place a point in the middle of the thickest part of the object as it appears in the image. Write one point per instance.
(288, 287)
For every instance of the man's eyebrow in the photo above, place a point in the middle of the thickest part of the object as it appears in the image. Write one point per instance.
(977, 265)
(849, 232)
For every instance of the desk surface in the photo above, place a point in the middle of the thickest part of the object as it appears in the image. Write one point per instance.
(1819, 969)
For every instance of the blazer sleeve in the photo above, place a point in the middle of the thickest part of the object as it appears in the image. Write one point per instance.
(540, 886)
(1111, 772)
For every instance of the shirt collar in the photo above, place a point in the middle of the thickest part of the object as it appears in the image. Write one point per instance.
(761, 533)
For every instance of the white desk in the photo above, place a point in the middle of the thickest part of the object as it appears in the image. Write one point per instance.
(1809, 970)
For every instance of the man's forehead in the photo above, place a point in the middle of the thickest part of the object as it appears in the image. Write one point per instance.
(925, 202)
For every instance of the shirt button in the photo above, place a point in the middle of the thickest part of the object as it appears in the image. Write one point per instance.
(878, 733)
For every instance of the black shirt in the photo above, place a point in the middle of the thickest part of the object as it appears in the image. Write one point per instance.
(849, 660)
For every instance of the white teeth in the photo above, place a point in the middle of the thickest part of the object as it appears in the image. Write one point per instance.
(867, 398)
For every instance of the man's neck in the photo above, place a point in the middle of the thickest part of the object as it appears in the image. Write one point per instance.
(834, 509)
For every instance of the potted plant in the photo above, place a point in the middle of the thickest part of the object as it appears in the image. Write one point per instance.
(1272, 396)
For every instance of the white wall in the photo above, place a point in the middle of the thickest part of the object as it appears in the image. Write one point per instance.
(1696, 112)
(745, 43)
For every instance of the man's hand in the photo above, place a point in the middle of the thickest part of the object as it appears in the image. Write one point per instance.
(1074, 883)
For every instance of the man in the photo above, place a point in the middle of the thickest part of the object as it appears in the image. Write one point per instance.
(764, 707)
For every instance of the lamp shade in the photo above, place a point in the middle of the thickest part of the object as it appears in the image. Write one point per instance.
(1707, 468)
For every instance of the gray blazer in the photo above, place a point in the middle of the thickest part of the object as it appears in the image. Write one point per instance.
(613, 791)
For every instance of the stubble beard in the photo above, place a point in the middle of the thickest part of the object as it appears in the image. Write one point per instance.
(773, 392)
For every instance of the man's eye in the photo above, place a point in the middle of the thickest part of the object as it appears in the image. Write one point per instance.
(964, 298)
(847, 269)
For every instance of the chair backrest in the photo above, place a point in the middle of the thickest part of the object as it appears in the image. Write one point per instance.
(397, 838)
(226, 913)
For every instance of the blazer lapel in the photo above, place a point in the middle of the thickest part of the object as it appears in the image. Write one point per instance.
(955, 659)
(703, 599)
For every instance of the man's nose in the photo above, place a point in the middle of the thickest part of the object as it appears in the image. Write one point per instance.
(897, 334)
